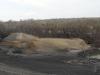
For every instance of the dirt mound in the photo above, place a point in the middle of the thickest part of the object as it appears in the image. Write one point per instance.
(29, 44)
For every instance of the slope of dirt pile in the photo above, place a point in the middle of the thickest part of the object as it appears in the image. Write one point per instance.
(21, 41)
(75, 43)
(20, 36)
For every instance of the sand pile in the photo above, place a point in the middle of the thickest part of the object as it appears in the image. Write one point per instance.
(29, 44)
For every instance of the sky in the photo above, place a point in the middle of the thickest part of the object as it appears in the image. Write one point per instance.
(47, 9)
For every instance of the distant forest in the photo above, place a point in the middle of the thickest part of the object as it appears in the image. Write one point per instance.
(85, 28)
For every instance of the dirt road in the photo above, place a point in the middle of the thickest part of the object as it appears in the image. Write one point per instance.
(51, 65)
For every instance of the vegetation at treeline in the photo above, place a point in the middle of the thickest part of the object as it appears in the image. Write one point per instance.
(85, 28)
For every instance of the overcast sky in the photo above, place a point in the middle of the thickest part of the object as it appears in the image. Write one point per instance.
(45, 9)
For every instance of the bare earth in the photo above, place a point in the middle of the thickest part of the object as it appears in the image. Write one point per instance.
(46, 65)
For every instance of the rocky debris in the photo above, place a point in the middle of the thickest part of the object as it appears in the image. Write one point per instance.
(80, 61)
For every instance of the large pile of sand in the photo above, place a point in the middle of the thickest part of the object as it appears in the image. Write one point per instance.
(31, 44)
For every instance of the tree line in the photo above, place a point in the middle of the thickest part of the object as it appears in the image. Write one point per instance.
(85, 28)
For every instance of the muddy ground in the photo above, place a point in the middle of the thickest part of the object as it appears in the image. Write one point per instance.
(49, 64)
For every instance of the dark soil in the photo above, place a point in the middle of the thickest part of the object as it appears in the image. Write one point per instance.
(50, 64)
